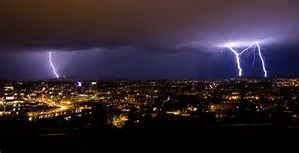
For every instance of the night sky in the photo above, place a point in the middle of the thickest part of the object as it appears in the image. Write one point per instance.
(145, 39)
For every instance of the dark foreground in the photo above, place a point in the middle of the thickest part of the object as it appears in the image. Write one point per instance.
(98, 140)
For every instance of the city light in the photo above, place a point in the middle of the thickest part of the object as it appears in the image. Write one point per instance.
(170, 99)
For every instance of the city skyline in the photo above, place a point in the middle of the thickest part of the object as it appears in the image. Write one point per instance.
(126, 75)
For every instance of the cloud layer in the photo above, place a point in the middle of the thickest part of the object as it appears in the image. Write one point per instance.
(156, 25)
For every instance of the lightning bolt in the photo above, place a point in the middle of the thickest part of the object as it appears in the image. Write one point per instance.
(262, 59)
(238, 54)
(52, 65)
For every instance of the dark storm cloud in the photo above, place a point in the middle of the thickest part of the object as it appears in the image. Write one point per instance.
(165, 25)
